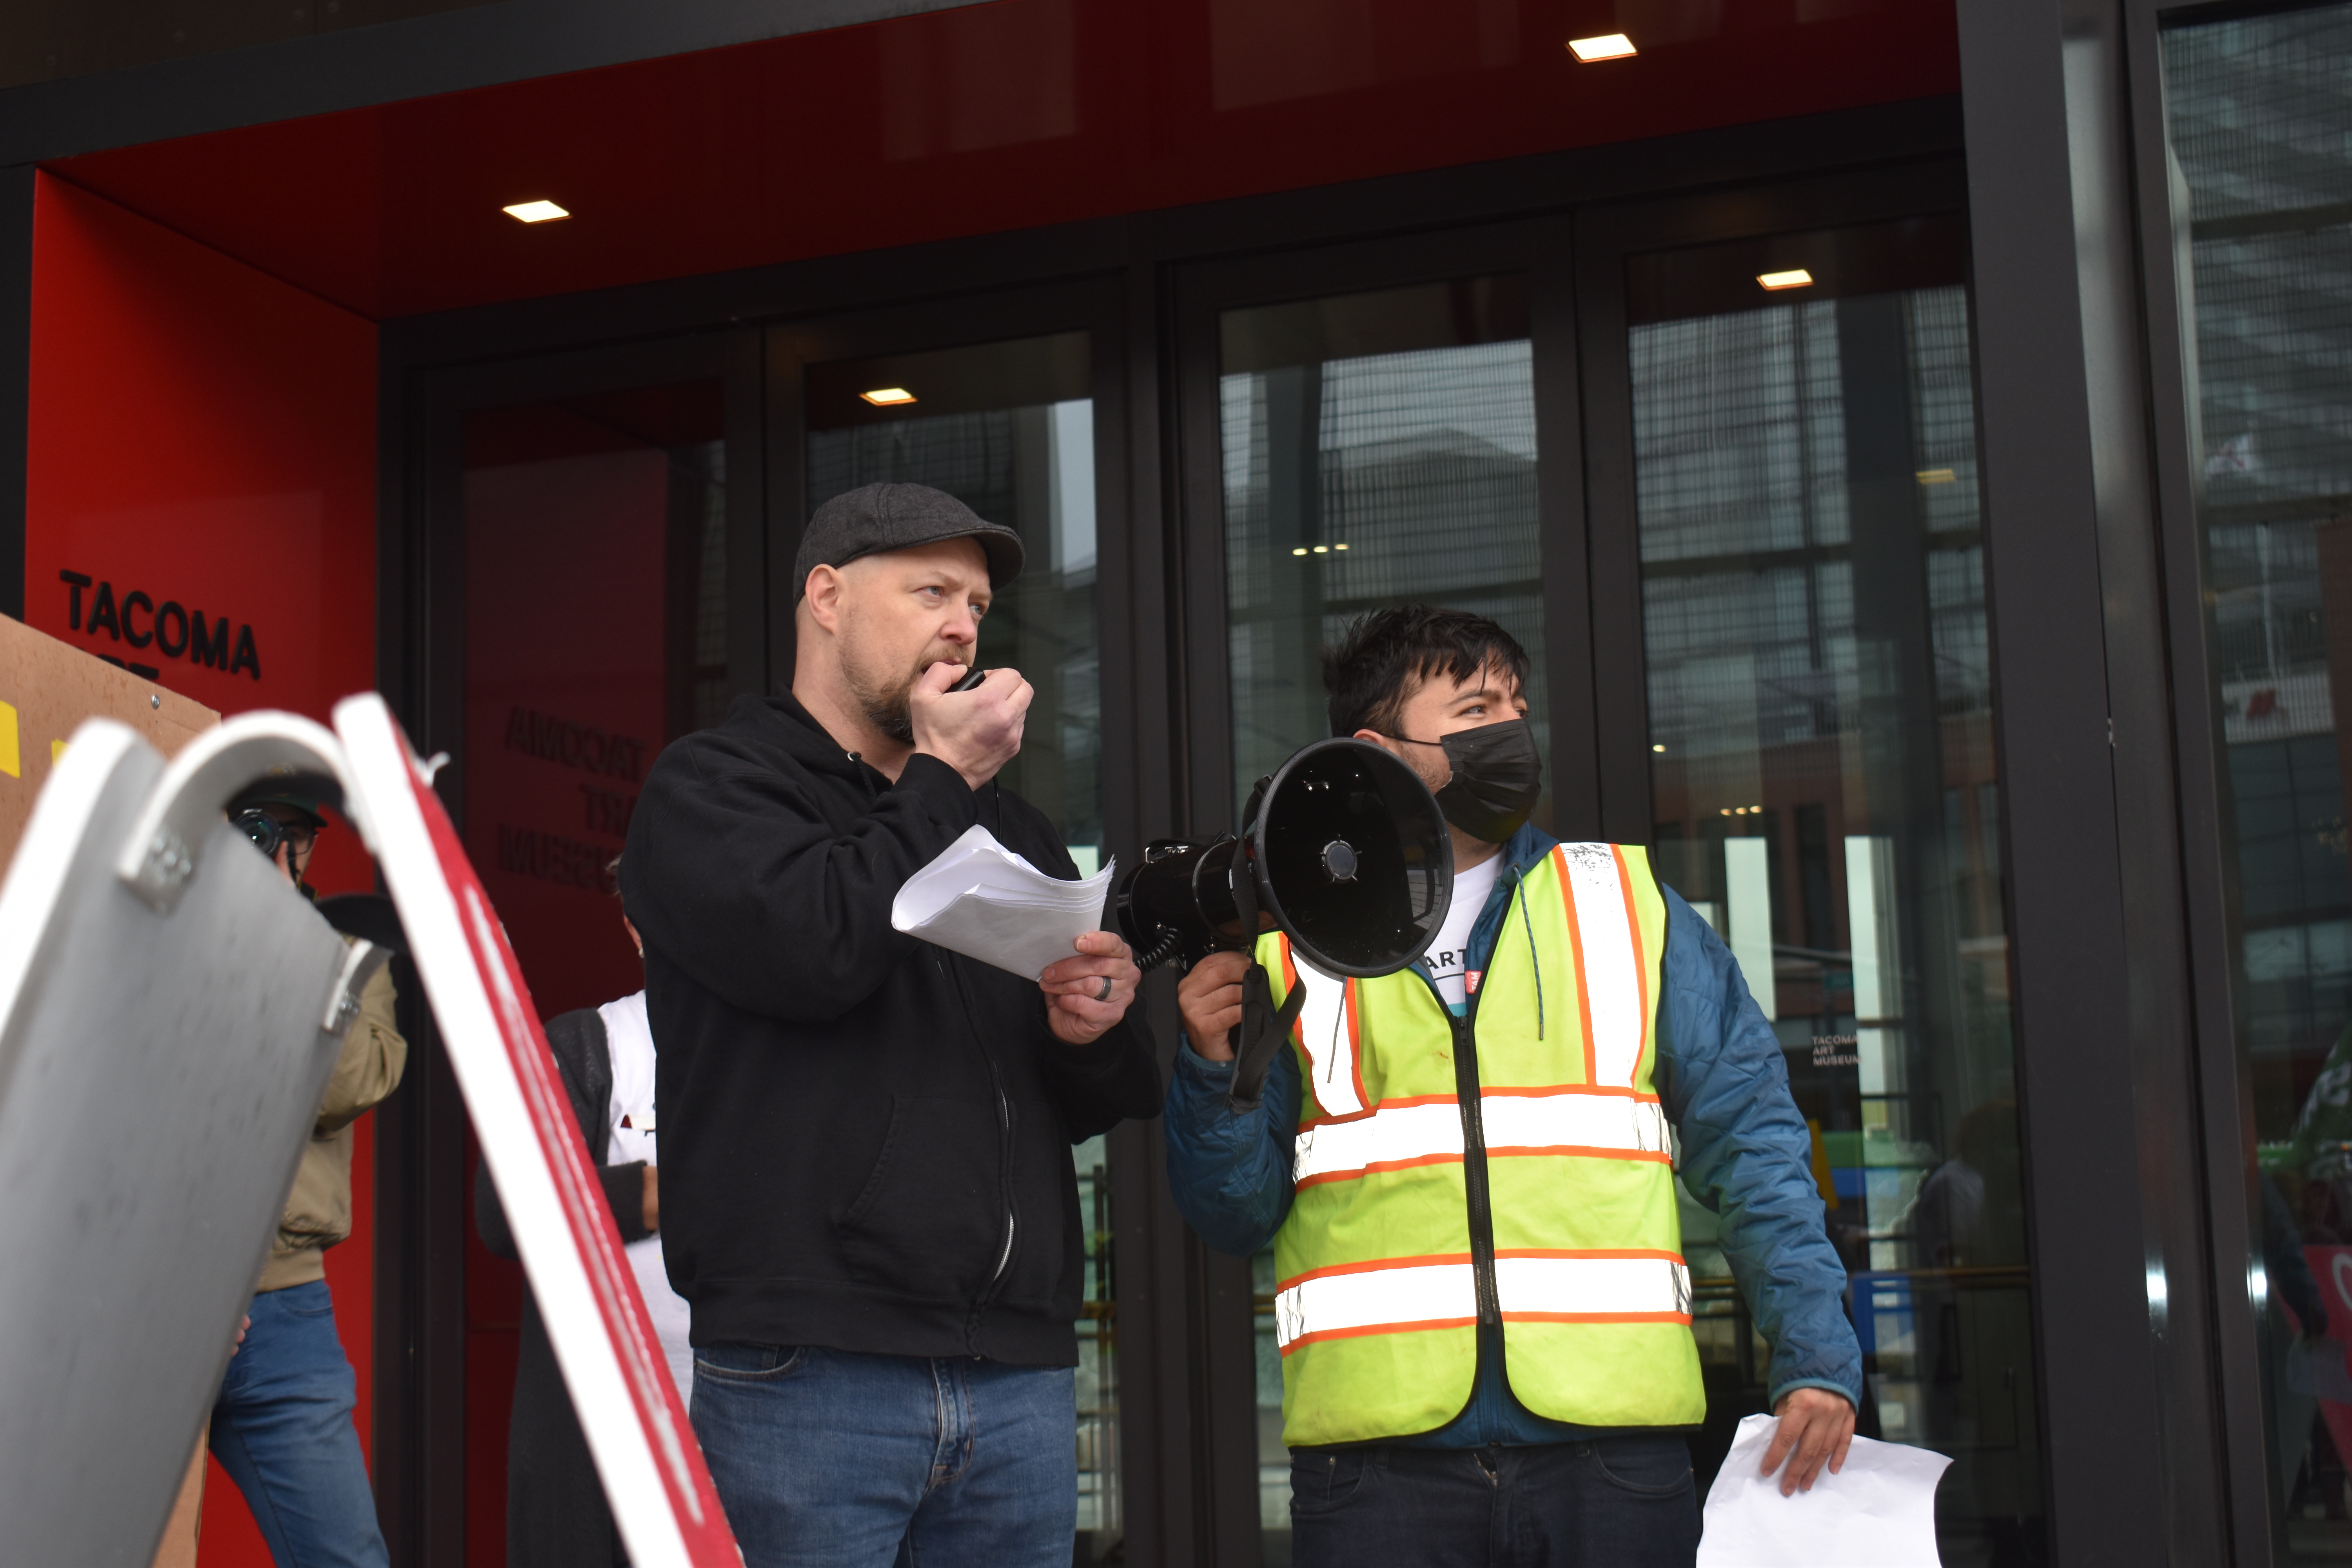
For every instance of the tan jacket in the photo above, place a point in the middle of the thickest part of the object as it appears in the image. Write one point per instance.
(318, 1210)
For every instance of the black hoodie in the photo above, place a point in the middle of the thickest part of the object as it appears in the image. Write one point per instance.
(866, 1140)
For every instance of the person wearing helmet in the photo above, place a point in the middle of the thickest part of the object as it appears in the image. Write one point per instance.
(282, 1422)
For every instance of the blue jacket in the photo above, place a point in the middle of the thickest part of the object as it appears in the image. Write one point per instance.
(1744, 1153)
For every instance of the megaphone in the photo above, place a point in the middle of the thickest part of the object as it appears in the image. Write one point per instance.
(1342, 847)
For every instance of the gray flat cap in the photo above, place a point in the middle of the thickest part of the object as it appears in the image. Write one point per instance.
(872, 519)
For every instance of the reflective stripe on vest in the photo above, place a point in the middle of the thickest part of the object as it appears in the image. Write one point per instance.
(1326, 1031)
(1612, 981)
(1400, 1296)
(1603, 1123)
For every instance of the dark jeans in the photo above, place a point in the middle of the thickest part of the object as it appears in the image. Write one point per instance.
(282, 1429)
(1616, 1502)
(829, 1459)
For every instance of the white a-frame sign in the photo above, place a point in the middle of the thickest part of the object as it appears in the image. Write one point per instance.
(169, 1012)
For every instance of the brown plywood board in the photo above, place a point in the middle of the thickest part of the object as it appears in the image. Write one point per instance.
(46, 688)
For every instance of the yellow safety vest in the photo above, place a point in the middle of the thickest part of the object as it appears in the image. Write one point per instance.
(1379, 1285)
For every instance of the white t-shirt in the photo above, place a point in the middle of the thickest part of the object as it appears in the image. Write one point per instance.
(630, 1038)
(1449, 953)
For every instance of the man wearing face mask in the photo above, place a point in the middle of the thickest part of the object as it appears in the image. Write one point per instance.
(1468, 1180)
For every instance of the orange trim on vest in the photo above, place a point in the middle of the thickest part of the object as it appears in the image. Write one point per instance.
(1576, 953)
(1418, 1326)
(1641, 960)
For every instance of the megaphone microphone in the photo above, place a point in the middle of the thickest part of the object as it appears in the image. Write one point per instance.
(1342, 848)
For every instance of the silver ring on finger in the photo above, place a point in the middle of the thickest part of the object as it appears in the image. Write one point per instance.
(1106, 989)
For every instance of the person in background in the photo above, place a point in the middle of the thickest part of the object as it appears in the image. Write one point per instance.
(868, 1193)
(1465, 1169)
(556, 1512)
(282, 1423)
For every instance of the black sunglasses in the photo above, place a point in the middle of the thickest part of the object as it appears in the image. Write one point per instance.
(267, 833)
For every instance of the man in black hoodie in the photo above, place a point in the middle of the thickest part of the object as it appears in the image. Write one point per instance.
(867, 1187)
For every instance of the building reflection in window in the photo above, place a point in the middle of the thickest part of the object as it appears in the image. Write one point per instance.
(2258, 110)
(1825, 795)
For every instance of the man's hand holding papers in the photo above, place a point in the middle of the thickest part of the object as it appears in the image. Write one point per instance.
(980, 900)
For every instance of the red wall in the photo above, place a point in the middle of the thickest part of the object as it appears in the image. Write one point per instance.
(206, 435)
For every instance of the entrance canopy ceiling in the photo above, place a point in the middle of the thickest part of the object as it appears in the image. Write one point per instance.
(1005, 115)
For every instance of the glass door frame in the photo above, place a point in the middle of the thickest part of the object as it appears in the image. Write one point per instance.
(421, 1401)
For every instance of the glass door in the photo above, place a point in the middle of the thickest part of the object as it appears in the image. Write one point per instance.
(2257, 110)
(1008, 428)
(1816, 710)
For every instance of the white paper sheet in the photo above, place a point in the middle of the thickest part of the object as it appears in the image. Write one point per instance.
(1877, 1512)
(980, 900)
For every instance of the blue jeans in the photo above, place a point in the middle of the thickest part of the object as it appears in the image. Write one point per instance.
(1613, 1502)
(833, 1459)
(282, 1429)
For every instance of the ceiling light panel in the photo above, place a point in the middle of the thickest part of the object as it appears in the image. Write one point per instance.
(1795, 278)
(535, 212)
(1607, 47)
(887, 396)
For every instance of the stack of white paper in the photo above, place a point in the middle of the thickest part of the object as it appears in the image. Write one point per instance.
(1877, 1512)
(982, 900)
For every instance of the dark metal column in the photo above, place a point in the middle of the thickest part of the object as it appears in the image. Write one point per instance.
(2099, 958)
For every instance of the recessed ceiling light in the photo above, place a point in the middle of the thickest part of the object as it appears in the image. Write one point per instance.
(1300, 550)
(1938, 477)
(1339, 547)
(887, 396)
(535, 212)
(1795, 278)
(1322, 549)
(1607, 47)
(1658, 747)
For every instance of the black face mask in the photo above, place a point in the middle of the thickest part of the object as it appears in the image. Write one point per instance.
(1497, 777)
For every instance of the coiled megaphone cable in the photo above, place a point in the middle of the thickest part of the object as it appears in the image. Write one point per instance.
(1170, 942)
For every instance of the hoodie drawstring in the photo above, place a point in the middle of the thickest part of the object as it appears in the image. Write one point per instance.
(1534, 962)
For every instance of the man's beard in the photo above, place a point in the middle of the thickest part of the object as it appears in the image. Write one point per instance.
(886, 704)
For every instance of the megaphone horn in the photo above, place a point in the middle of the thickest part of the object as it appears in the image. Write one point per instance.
(1342, 848)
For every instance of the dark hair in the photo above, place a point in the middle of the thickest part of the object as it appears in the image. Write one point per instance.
(1381, 653)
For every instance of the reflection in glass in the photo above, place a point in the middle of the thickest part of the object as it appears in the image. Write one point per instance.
(2258, 112)
(1008, 428)
(595, 632)
(1825, 796)
(1378, 448)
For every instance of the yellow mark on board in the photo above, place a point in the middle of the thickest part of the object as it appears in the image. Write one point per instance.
(56, 752)
(9, 740)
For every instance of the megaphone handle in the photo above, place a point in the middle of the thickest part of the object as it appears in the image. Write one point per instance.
(1263, 1031)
